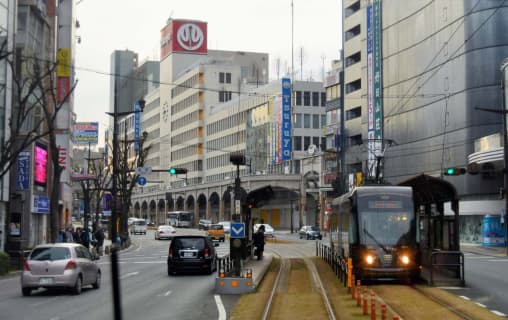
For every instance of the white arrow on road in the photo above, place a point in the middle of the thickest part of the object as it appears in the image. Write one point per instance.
(237, 231)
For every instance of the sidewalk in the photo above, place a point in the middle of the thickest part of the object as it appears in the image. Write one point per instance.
(480, 249)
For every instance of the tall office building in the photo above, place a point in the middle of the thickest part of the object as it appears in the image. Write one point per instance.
(415, 73)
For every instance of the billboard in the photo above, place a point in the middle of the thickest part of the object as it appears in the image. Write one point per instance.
(286, 130)
(187, 36)
(84, 133)
(23, 171)
(40, 164)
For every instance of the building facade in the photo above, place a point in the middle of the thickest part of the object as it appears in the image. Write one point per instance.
(435, 62)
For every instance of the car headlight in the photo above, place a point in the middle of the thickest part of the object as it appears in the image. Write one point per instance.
(369, 259)
(405, 259)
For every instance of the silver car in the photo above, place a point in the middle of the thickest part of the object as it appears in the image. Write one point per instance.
(60, 265)
(165, 232)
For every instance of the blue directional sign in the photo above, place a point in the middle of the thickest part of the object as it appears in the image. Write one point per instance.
(141, 180)
(237, 230)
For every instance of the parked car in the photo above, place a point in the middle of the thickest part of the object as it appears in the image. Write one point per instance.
(268, 229)
(60, 265)
(165, 232)
(204, 224)
(216, 232)
(226, 225)
(310, 232)
(189, 253)
(138, 226)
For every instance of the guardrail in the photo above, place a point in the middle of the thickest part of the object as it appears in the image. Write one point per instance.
(338, 264)
(449, 263)
(225, 264)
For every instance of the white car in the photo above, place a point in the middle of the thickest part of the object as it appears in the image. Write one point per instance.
(268, 229)
(165, 232)
(226, 225)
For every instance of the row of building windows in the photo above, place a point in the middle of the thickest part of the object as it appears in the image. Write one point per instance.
(185, 103)
(218, 161)
(307, 141)
(355, 7)
(185, 120)
(226, 123)
(152, 105)
(152, 121)
(310, 121)
(225, 96)
(192, 82)
(185, 152)
(226, 141)
(224, 77)
(308, 98)
(185, 136)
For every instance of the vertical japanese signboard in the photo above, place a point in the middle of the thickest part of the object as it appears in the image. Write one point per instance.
(137, 124)
(375, 85)
(23, 171)
(286, 134)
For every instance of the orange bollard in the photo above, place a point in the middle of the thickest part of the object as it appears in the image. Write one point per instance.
(365, 303)
(372, 306)
(358, 294)
(383, 311)
(353, 289)
(395, 318)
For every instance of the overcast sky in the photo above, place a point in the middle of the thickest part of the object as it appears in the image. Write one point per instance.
(236, 25)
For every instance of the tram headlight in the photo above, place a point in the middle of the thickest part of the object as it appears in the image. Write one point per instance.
(369, 259)
(405, 259)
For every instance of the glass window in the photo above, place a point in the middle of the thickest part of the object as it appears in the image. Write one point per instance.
(315, 121)
(50, 253)
(306, 143)
(228, 77)
(306, 120)
(306, 98)
(323, 120)
(315, 141)
(298, 120)
(221, 77)
(298, 98)
(297, 143)
(315, 99)
(323, 99)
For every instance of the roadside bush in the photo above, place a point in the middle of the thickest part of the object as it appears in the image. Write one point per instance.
(4, 263)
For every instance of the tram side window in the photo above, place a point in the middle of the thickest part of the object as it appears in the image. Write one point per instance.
(353, 229)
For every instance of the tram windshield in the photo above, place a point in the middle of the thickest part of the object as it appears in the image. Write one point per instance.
(386, 223)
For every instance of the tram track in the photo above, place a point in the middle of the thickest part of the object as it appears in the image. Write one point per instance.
(281, 288)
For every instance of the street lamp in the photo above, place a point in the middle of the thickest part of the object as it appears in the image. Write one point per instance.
(114, 214)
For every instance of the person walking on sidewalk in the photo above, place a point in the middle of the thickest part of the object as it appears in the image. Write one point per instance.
(99, 237)
(259, 242)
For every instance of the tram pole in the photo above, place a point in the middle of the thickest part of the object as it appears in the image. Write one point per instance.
(504, 89)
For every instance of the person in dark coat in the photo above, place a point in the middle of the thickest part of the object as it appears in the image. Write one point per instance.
(259, 241)
(99, 237)
(85, 238)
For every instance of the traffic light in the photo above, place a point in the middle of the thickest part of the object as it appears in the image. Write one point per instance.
(174, 171)
(454, 171)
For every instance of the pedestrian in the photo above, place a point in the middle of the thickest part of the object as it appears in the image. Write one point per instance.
(259, 242)
(85, 237)
(77, 235)
(99, 237)
(68, 235)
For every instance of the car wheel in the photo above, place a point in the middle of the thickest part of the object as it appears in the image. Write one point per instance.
(307, 237)
(26, 291)
(170, 271)
(78, 286)
(97, 283)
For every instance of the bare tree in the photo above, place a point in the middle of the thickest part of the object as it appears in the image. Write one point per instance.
(34, 111)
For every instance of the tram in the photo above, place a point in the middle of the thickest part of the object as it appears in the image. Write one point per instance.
(377, 228)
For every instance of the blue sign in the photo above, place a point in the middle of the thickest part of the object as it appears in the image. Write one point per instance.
(23, 171)
(141, 181)
(237, 230)
(137, 124)
(40, 204)
(286, 134)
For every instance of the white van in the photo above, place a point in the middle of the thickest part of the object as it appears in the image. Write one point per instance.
(138, 226)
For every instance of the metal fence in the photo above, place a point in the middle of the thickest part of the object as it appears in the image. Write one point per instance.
(338, 264)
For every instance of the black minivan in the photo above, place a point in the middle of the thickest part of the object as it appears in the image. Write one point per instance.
(192, 254)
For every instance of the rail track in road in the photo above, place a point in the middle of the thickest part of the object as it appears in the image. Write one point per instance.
(290, 299)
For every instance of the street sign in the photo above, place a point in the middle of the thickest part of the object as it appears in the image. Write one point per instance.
(237, 230)
(143, 171)
(141, 181)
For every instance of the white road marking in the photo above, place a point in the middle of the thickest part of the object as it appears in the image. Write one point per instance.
(167, 293)
(498, 313)
(481, 305)
(498, 260)
(220, 308)
(465, 298)
(130, 274)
